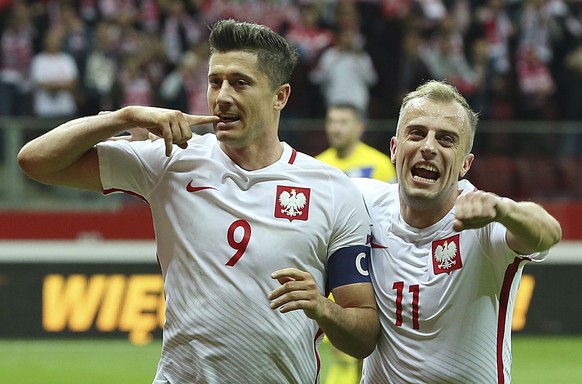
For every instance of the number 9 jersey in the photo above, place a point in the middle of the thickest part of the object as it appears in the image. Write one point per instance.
(220, 233)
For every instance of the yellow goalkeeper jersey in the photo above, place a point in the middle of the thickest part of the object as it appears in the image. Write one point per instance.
(366, 161)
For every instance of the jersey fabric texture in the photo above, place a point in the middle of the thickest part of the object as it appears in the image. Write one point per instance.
(365, 161)
(445, 298)
(220, 232)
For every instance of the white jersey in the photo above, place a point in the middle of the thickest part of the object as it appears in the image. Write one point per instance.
(221, 231)
(445, 298)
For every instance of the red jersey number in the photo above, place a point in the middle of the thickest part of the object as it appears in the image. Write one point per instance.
(240, 246)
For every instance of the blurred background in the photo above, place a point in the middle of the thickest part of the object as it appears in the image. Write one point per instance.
(80, 265)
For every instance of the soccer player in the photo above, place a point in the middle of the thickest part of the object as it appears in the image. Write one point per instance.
(251, 234)
(446, 258)
(344, 126)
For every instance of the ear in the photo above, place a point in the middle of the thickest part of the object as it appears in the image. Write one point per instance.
(393, 150)
(467, 164)
(281, 96)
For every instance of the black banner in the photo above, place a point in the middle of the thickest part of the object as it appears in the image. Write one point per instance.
(72, 300)
(44, 300)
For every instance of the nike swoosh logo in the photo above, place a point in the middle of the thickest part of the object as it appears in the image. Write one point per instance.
(191, 188)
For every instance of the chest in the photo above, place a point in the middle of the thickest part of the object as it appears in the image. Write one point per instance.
(423, 282)
(239, 219)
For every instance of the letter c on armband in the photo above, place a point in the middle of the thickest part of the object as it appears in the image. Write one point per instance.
(361, 264)
(348, 266)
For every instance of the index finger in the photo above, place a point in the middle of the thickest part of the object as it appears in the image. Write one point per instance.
(292, 273)
(200, 119)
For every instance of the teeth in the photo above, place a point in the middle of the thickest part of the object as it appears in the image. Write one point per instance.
(424, 180)
(428, 167)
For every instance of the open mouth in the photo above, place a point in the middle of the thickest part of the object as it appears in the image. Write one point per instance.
(228, 118)
(425, 173)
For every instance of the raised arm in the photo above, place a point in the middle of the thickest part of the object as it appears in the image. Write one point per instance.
(530, 228)
(67, 156)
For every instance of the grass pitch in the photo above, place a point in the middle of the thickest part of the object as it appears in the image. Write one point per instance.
(536, 360)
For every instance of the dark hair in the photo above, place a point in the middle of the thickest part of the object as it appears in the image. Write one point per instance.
(349, 106)
(275, 56)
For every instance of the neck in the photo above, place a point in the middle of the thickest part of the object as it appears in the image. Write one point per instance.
(344, 152)
(254, 157)
(423, 212)
(421, 218)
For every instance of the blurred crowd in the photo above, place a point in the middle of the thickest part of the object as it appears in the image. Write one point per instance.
(512, 59)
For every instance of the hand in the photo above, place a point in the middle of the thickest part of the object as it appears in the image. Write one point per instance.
(298, 290)
(477, 209)
(171, 125)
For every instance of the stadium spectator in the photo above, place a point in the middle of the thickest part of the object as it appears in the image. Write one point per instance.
(55, 78)
(133, 86)
(571, 142)
(345, 72)
(344, 127)
(251, 235)
(412, 70)
(554, 26)
(16, 52)
(446, 58)
(184, 88)
(446, 258)
(498, 30)
(100, 72)
(537, 25)
(179, 31)
(77, 36)
(536, 84)
(311, 38)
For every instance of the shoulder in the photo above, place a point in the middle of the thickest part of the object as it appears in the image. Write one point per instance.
(376, 192)
(323, 173)
(312, 164)
(374, 186)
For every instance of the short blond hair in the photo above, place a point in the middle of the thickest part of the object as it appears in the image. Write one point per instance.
(442, 92)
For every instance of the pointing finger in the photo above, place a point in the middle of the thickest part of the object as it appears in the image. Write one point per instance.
(200, 119)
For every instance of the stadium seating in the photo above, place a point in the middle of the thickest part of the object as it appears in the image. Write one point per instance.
(537, 177)
(494, 173)
(569, 170)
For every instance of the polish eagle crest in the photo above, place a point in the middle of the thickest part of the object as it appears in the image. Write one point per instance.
(292, 203)
(446, 254)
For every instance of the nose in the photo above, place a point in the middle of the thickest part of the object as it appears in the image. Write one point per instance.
(428, 145)
(223, 95)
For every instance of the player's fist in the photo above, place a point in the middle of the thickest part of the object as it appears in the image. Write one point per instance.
(477, 209)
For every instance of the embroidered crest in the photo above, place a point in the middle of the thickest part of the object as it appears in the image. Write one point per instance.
(446, 255)
(292, 203)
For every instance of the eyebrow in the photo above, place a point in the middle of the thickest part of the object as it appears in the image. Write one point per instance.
(439, 130)
(236, 75)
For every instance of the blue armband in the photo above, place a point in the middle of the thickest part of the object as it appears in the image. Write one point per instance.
(348, 266)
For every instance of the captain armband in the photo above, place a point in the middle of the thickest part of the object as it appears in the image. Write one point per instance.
(348, 266)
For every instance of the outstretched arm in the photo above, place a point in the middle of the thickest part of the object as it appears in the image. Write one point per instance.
(350, 323)
(530, 228)
(67, 156)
